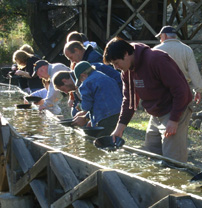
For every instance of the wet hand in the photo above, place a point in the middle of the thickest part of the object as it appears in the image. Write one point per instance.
(171, 128)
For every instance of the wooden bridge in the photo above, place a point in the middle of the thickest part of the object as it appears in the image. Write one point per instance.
(135, 20)
(57, 179)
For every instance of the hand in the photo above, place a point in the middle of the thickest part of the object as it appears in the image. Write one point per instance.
(41, 107)
(79, 121)
(197, 97)
(171, 128)
(118, 131)
(70, 103)
(41, 102)
(19, 73)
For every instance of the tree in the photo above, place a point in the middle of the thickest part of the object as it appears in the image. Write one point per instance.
(11, 12)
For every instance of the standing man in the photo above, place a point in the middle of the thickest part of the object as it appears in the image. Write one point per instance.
(154, 77)
(184, 57)
(43, 69)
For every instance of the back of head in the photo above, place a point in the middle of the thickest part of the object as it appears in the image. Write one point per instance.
(74, 36)
(82, 67)
(84, 38)
(27, 48)
(70, 46)
(116, 49)
(21, 56)
(59, 76)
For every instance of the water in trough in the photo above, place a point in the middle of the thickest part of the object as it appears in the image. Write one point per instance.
(35, 124)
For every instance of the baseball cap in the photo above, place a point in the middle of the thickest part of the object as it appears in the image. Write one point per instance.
(79, 69)
(166, 29)
(37, 65)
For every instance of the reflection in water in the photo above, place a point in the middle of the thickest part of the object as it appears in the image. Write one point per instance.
(35, 124)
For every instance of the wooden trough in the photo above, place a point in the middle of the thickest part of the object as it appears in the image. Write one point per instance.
(57, 179)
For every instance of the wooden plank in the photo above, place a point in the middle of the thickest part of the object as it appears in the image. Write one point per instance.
(115, 194)
(181, 201)
(189, 16)
(5, 133)
(86, 188)
(38, 167)
(26, 162)
(65, 176)
(161, 203)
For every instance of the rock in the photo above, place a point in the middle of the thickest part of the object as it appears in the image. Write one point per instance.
(196, 124)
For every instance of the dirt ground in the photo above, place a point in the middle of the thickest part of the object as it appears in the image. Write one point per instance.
(135, 135)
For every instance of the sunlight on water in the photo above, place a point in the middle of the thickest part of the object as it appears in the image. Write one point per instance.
(37, 126)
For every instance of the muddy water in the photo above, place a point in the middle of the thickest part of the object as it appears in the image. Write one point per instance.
(35, 124)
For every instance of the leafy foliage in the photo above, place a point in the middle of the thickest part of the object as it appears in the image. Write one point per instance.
(11, 12)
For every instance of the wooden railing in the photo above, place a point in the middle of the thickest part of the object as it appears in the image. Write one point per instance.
(58, 179)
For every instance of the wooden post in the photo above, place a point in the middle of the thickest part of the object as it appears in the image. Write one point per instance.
(112, 193)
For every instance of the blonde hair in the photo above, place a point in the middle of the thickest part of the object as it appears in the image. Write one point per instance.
(21, 57)
(27, 48)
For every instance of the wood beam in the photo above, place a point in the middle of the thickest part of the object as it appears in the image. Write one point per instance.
(86, 188)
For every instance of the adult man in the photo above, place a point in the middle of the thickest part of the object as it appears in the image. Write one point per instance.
(184, 57)
(62, 81)
(76, 52)
(43, 69)
(154, 77)
(100, 97)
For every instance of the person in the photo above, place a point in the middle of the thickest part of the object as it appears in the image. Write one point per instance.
(65, 82)
(102, 104)
(43, 69)
(28, 48)
(76, 52)
(26, 61)
(184, 57)
(81, 37)
(153, 76)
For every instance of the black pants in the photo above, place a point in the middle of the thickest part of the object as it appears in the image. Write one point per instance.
(109, 124)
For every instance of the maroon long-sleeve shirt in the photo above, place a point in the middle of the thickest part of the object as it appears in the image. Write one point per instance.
(158, 82)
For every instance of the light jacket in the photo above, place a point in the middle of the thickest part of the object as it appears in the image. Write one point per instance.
(53, 97)
(184, 57)
(100, 96)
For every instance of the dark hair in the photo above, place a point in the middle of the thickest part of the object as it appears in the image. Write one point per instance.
(74, 36)
(84, 38)
(115, 49)
(57, 78)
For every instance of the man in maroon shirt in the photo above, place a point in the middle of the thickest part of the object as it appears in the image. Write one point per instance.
(155, 78)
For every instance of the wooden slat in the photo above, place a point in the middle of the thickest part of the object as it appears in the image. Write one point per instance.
(65, 176)
(86, 188)
(26, 162)
(115, 194)
(181, 201)
(31, 174)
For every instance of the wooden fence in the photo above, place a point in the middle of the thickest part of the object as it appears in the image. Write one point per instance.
(57, 179)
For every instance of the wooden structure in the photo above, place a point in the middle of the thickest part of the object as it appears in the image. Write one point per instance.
(57, 179)
(137, 20)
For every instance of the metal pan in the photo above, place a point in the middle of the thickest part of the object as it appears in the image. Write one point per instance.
(92, 131)
(107, 142)
(66, 122)
(24, 106)
(33, 98)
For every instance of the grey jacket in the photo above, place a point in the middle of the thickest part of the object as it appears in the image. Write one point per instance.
(53, 97)
(184, 57)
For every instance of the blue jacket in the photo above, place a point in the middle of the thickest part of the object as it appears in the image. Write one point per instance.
(92, 55)
(101, 96)
(109, 71)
